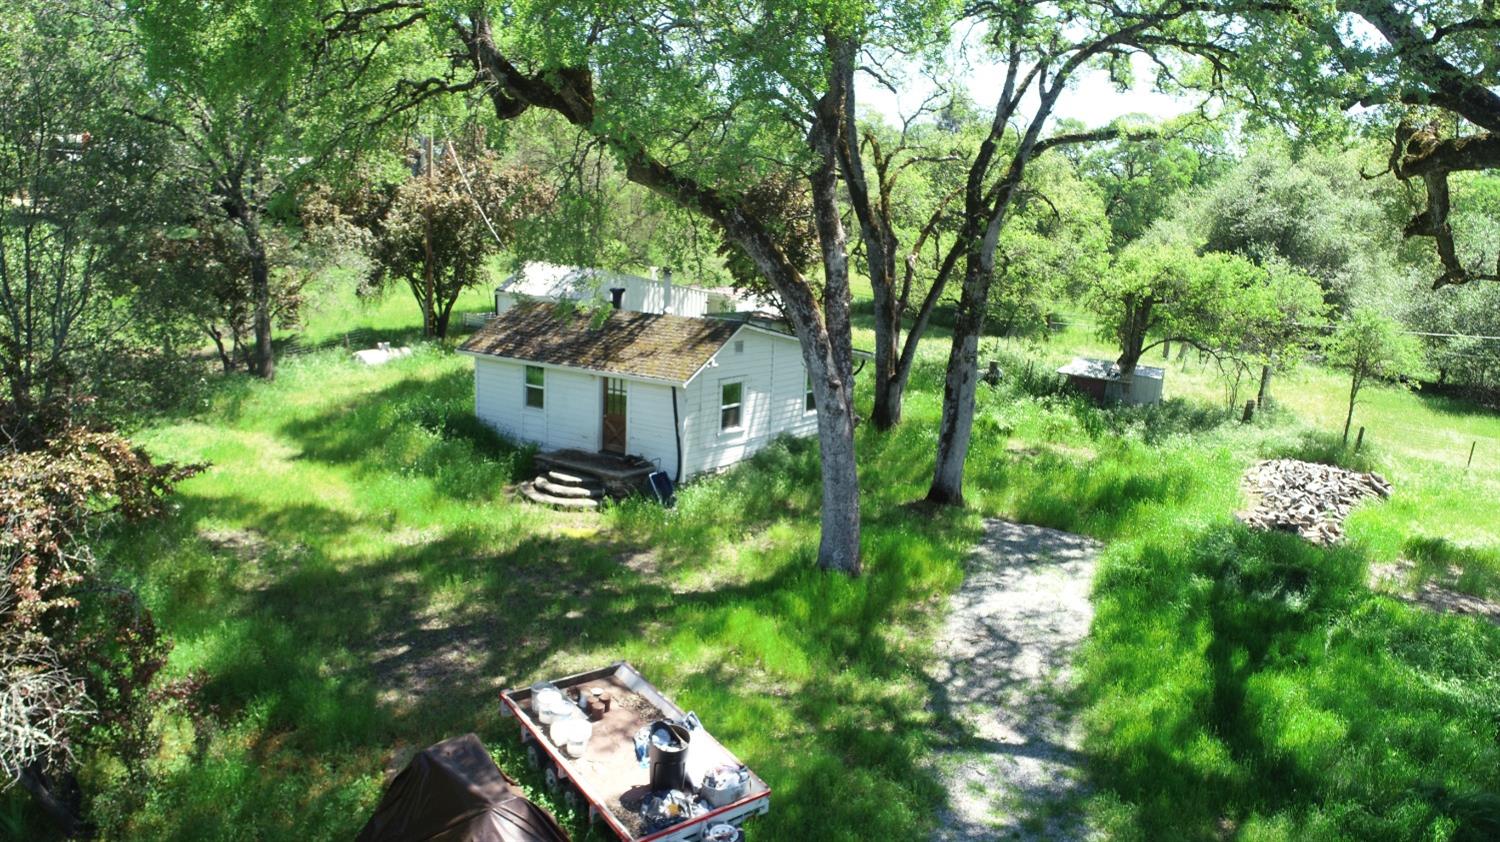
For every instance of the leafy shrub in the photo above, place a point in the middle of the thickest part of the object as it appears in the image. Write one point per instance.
(77, 654)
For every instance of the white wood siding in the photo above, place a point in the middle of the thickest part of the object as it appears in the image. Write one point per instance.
(499, 394)
(648, 424)
(771, 370)
(647, 296)
(572, 411)
(575, 409)
(642, 295)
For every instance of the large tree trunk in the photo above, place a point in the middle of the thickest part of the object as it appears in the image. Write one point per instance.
(889, 386)
(959, 387)
(445, 312)
(838, 546)
(986, 208)
(962, 378)
(896, 386)
(839, 133)
(829, 367)
(1127, 379)
(1133, 340)
(889, 392)
(263, 361)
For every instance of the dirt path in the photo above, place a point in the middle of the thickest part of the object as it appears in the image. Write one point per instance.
(1011, 761)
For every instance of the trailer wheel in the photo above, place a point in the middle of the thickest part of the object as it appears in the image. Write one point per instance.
(554, 781)
(573, 799)
(533, 755)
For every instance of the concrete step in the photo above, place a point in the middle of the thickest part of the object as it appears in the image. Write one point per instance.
(564, 478)
(542, 498)
(546, 485)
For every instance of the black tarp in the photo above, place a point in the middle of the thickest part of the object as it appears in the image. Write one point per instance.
(454, 792)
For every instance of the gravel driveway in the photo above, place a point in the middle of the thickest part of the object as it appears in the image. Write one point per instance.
(1000, 684)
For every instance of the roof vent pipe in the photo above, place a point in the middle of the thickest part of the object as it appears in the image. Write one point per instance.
(617, 296)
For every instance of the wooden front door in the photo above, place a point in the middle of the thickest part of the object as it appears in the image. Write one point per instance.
(614, 416)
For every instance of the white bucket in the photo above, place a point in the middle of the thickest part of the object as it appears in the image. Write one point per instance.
(545, 697)
(572, 735)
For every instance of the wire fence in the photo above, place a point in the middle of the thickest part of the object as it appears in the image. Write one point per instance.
(1446, 431)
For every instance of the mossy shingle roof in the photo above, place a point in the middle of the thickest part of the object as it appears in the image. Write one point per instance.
(655, 346)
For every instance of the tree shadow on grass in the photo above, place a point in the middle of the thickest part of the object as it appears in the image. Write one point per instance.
(314, 669)
(1240, 676)
(322, 664)
(416, 425)
(1455, 406)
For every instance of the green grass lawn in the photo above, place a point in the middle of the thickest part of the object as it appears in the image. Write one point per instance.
(350, 581)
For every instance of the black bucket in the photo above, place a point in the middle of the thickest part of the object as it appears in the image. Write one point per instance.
(669, 762)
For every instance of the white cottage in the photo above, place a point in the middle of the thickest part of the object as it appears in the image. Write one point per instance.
(537, 281)
(688, 394)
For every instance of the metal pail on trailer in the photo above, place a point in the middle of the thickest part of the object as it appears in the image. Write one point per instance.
(669, 748)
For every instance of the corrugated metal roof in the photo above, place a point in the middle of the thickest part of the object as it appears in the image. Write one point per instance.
(1106, 370)
(649, 345)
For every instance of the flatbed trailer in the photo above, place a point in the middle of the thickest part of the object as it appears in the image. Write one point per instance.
(608, 779)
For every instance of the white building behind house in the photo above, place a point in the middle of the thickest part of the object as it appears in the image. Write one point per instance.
(537, 281)
(689, 394)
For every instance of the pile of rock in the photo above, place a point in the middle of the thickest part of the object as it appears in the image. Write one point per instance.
(1309, 499)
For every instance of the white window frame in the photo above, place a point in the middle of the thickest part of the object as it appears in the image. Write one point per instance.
(527, 386)
(739, 407)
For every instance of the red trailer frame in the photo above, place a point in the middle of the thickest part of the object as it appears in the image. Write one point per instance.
(578, 787)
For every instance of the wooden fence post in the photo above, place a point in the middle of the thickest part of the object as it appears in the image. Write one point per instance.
(1359, 439)
(1249, 412)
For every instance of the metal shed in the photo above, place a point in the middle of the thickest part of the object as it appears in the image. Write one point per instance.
(1100, 380)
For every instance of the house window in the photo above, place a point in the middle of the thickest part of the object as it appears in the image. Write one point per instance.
(808, 404)
(731, 400)
(535, 383)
